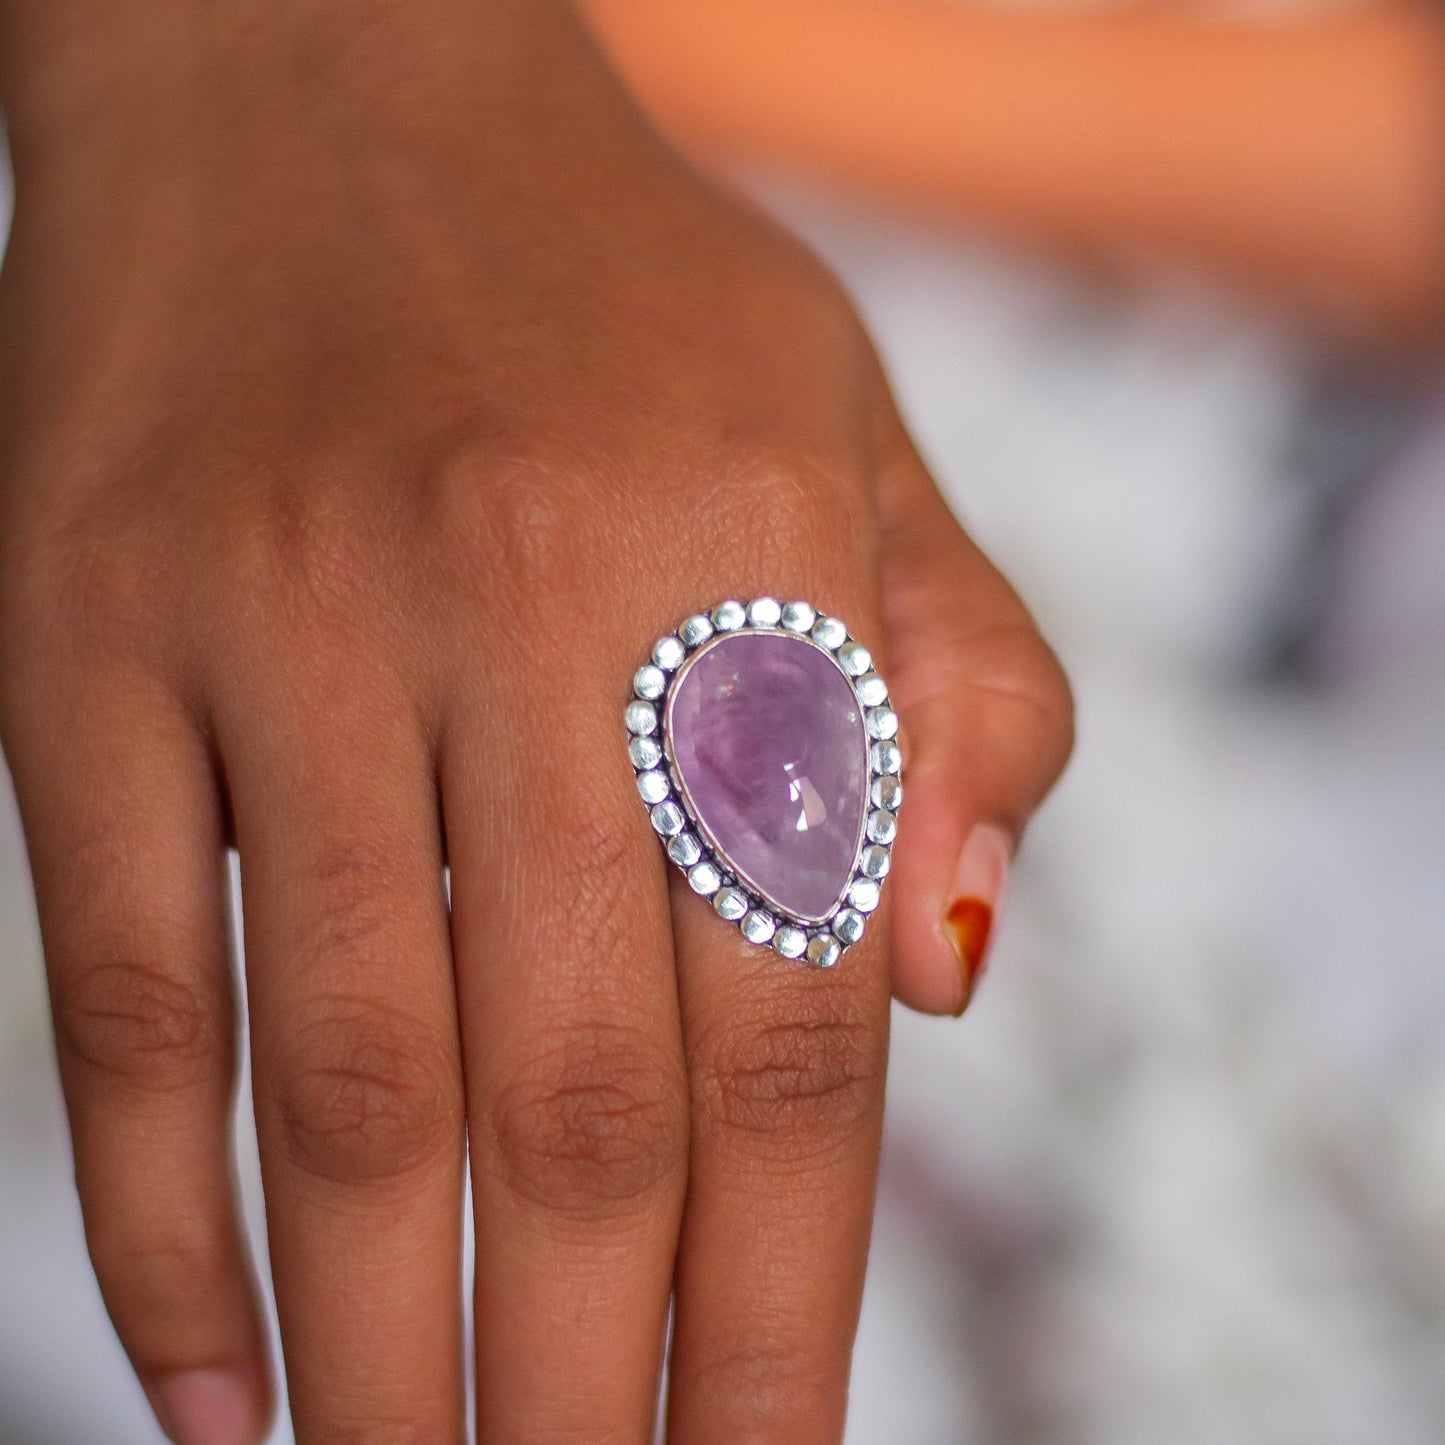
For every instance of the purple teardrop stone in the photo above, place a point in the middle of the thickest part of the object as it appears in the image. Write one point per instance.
(767, 738)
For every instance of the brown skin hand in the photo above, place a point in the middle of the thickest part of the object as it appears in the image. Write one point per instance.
(374, 383)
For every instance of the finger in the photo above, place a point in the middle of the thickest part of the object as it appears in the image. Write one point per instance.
(787, 1066)
(987, 719)
(355, 1061)
(788, 1063)
(124, 832)
(577, 1093)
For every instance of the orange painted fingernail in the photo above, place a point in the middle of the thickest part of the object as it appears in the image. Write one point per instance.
(971, 918)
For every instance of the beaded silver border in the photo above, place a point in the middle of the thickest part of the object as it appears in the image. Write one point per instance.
(735, 898)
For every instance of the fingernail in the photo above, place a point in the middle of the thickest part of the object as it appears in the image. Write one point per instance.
(975, 903)
(207, 1407)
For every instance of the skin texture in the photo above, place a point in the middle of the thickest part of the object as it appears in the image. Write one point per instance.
(375, 385)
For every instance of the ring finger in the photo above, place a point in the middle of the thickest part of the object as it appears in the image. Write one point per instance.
(577, 1096)
(786, 1060)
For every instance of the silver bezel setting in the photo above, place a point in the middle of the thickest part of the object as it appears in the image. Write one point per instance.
(819, 942)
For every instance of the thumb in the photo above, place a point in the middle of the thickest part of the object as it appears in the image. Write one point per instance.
(987, 722)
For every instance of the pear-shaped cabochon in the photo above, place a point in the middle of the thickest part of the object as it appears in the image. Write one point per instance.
(767, 739)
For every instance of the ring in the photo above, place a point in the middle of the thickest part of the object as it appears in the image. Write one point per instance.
(766, 752)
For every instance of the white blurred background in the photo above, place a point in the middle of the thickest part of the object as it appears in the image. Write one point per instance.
(1179, 1175)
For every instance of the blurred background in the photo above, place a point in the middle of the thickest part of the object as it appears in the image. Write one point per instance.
(1160, 290)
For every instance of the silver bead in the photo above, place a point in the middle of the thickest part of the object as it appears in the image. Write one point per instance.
(848, 924)
(856, 659)
(653, 785)
(876, 861)
(830, 633)
(882, 826)
(668, 819)
(758, 927)
(883, 723)
(864, 895)
(650, 682)
(641, 717)
(644, 752)
(872, 690)
(668, 652)
(765, 612)
(799, 616)
(790, 941)
(885, 757)
(684, 850)
(731, 904)
(696, 630)
(887, 793)
(824, 951)
(704, 879)
(729, 616)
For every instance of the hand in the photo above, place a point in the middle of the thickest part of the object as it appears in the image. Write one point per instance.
(376, 392)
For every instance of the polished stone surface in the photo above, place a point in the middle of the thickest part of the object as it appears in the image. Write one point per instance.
(768, 741)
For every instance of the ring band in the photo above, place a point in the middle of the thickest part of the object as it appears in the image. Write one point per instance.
(766, 752)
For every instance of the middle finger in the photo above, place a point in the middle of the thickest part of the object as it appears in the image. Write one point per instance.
(577, 1093)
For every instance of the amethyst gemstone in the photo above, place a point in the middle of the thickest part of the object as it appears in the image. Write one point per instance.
(768, 741)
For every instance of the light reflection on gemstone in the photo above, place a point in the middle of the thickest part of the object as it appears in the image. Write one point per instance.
(812, 810)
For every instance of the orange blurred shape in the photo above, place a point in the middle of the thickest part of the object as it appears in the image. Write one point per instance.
(1305, 150)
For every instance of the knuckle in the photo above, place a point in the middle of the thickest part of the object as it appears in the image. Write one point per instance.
(593, 1118)
(521, 528)
(528, 526)
(513, 517)
(807, 1071)
(138, 1021)
(368, 1094)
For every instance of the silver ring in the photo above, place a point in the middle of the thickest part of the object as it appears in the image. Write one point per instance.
(766, 752)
